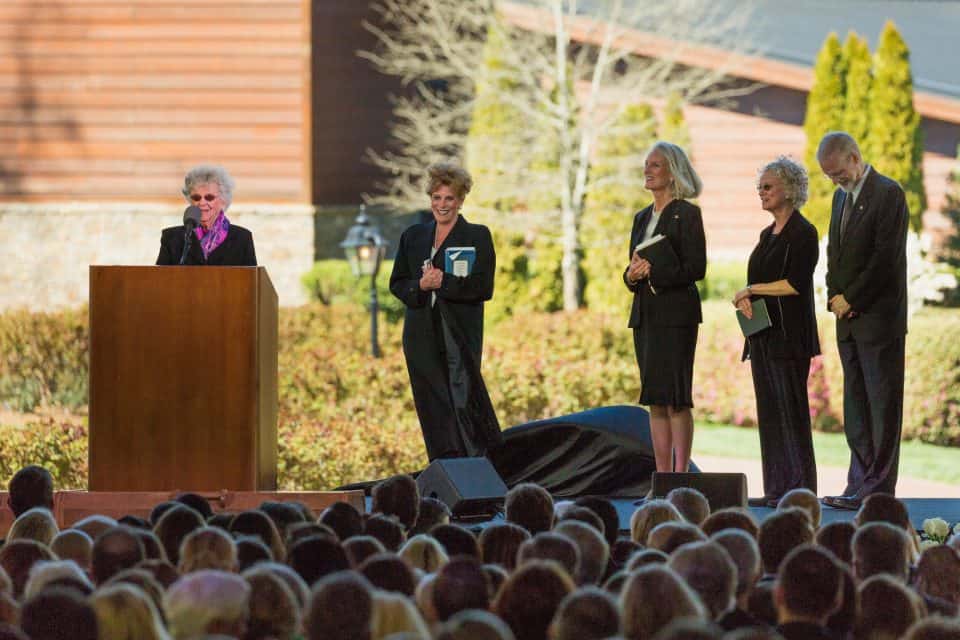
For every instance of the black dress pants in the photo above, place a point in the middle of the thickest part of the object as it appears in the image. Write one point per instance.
(783, 418)
(872, 412)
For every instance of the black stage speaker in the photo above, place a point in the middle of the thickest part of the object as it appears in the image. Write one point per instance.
(721, 489)
(469, 486)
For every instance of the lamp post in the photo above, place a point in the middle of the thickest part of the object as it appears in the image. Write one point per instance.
(365, 249)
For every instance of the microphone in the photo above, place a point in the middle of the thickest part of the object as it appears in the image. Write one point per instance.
(191, 218)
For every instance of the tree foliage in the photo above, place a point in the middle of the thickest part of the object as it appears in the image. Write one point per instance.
(825, 108)
(859, 68)
(674, 126)
(895, 144)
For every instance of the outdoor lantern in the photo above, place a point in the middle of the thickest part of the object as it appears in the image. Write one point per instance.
(365, 249)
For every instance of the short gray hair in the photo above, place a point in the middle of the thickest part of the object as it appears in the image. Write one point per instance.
(796, 183)
(686, 182)
(836, 142)
(202, 597)
(207, 174)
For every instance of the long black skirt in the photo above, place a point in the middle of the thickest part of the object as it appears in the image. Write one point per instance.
(665, 358)
(783, 419)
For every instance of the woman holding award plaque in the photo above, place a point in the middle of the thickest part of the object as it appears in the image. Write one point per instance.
(667, 257)
(780, 273)
(443, 273)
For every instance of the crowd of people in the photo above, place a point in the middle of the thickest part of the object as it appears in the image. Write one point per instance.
(557, 570)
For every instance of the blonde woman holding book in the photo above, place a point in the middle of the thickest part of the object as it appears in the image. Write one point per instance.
(665, 314)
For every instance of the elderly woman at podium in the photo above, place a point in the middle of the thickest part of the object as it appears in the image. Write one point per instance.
(207, 236)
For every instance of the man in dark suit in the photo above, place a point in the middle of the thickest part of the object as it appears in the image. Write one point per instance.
(867, 292)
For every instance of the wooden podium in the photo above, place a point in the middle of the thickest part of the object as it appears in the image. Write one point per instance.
(183, 379)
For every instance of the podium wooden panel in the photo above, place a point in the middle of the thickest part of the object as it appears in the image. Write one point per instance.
(183, 379)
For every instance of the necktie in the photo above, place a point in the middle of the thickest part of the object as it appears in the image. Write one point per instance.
(847, 212)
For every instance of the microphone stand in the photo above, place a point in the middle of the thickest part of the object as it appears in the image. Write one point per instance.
(187, 240)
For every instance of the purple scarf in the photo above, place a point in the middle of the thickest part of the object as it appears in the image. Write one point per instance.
(210, 240)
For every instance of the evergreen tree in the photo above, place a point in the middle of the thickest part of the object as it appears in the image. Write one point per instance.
(674, 128)
(895, 143)
(858, 63)
(825, 107)
(951, 209)
(496, 129)
(616, 193)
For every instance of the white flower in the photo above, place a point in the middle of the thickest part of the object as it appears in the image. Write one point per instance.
(956, 529)
(936, 528)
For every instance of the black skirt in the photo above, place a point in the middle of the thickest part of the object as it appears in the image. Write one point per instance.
(665, 358)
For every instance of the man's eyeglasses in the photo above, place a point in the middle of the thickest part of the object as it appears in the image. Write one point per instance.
(209, 197)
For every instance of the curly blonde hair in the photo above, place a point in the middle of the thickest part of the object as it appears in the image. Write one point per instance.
(451, 175)
(792, 175)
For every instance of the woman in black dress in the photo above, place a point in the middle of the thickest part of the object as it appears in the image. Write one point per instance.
(444, 291)
(666, 305)
(780, 272)
(215, 240)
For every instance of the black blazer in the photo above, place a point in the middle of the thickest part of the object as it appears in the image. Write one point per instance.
(236, 250)
(677, 301)
(868, 265)
(462, 296)
(790, 256)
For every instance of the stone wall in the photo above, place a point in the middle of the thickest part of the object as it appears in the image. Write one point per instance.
(47, 248)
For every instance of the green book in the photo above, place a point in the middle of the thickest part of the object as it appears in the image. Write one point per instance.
(759, 321)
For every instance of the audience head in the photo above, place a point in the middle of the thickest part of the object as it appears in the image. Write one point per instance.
(496, 576)
(388, 572)
(645, 557)
(161, 508)
(116, 549)
(386, 529)
(938, 573)
(196, 502)
(423, 552)
(551, 546)
(743, 551)
(780, 533)
(298, 530)
(341, 606)
(456, 540)
(359, 548)
(17, 557)
(395, 614)
(474, 624)
(162, 571)
(31, 486)
(648, 516)
(291, 578)
(94, 525)
(173, 526)
(607, 514)
(804, 499)
(251, 551)
(37, 524)
(254, 522)
(692, 505)
(208, 548)
(274, 609)
(397, 496)
(207, 602)
(837, 538)
(880, 547)
(431, 513)
(63, 572)
(124, 612)
(730, 518)
(145, 582)
(529, 598)
(72, 544)
(58, 614)
(499, 544)
(530, 506)
(843, 618)
(661, 585)
(584, 515)
(709, 571)
(671, 535)
(316, 557)
(586, 614)
(283, 515)
(883, 507)
(344, 519)
(808, 586)
(887, 609)
(460, 584)
(935, 628)
(594, 552)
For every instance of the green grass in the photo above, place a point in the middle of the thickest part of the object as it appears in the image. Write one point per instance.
(917, 459)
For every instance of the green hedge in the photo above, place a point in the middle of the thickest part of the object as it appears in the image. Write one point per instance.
(346, 417)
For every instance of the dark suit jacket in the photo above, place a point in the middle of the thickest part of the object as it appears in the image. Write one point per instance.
(677, 301)
(462, 297)
(868, 265)
(792, 256)
(236, 250)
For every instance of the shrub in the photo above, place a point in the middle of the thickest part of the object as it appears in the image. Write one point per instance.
(59, 444)
(332, 282)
